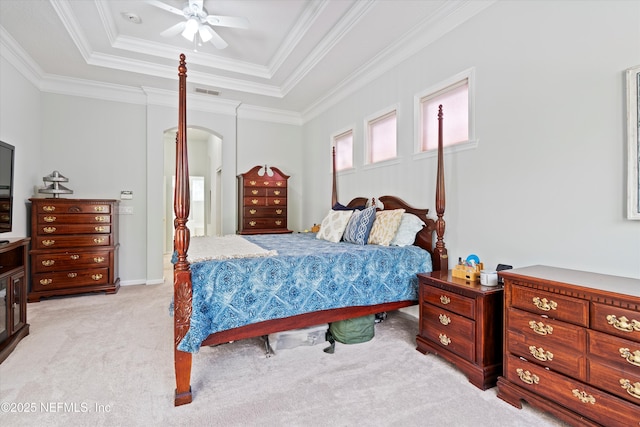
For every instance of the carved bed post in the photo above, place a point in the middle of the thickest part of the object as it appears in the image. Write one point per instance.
(182, 293)
(441, 261)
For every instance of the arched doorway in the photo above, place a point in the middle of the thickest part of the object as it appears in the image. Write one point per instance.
(205, 173)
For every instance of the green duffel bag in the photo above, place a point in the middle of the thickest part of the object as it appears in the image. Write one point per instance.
(351, 331)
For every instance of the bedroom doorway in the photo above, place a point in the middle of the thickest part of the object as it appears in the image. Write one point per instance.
(205, 158)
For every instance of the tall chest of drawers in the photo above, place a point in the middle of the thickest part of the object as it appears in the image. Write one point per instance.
(262, 201)
(74, 247)
(572, 345)
(461, 321)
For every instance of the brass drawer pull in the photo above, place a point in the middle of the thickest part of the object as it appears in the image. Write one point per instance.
(276, 201)
(279, 211)
(252, 223)
(583, 396)
(254, 201)
(48, 208)
(276, 192)
(632, 389)
(540, 354)
(278, 222)
(96, 276)
(99, 208)
(544, 304)
(252, 211)
(45, 282)
(254, 192)
(527, 377)
(48, 242)
(540, 328)
(266, 183)
(99, 229)
(49, 230)
(99, 240)
(72, 275)
(98, 259)
(102, 219)
(623, 324)
(279, 183)
(444, 319)
(75, 257)
(252, 182)
(48, 262)
(444, 340)
(633, 358)
(445, 299)
(49, 219)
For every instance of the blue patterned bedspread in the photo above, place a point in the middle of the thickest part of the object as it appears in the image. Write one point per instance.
(307, 275)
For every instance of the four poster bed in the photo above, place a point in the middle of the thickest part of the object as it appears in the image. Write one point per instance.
(309, 281)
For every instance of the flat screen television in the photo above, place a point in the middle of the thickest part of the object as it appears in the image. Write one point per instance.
(6, 186)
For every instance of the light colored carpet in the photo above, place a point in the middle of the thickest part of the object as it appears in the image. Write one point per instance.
(107, 360)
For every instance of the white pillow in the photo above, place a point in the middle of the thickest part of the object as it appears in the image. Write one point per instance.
(333, 225)
(410, 225)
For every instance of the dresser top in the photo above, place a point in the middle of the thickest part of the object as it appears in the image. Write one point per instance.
(605, 282)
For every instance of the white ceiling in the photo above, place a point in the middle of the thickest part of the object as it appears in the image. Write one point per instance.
(295, 55)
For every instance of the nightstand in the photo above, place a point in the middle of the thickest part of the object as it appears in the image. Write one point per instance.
(461, 321)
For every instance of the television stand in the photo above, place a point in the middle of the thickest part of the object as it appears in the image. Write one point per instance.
(14, 263)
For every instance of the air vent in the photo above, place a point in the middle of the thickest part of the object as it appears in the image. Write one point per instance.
(207, 91)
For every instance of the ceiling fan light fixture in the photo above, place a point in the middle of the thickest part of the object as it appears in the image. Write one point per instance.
(205, 33)
(191, 29)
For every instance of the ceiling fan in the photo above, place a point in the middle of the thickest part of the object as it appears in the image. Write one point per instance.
(198, 23)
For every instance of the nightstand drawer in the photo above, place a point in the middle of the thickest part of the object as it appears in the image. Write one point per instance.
(450, 301)
(452, 331)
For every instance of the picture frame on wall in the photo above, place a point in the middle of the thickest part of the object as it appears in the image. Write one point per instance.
(633, 142)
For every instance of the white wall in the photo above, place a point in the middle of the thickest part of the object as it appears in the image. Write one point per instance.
(546, 184)
(20, 126)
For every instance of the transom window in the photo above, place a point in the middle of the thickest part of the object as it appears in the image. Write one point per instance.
(343, 144)
(382, 137)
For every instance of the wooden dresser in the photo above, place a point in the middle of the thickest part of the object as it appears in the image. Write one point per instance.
(462, 322)
(14, 264)
(263, 202)
(572, 345)
(74, 247)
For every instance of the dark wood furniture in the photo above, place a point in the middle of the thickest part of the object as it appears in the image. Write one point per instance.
(182, 273)
(74, 249)
(5, 213)
(462, 322)
(262, 201)
(14, 264)
(572, 345)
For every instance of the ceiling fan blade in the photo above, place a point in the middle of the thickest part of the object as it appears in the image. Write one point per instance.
(199, 4)
(228, 21)
(216, 40)
(166, 7)
(174, 29)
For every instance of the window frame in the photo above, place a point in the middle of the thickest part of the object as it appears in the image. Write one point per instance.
(433, 91)
(379, 115)
(338, 134)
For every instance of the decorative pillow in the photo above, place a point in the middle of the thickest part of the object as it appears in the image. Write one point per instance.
(359, 226)
(333, 225)
(410, 225)
(385, 227)
(340, 207)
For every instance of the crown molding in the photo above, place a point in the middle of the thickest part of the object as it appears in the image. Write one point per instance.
(169, 98)
(450, 16)
(271, 115)
(15, 55)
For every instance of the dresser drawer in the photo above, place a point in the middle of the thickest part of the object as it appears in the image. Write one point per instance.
(70, 279)
(545, 330)
(261, 223)
(264, 212)
(58, 229)
(588, 401)
(69, 260)
(451, 331)
(264, 183)
(71, 241)
(621, 382)
(450, 301)
(55, 219)
(68, 206)
(265, 201)
(266, 192)
(552, 354)
(553, 305)
(616, 321)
